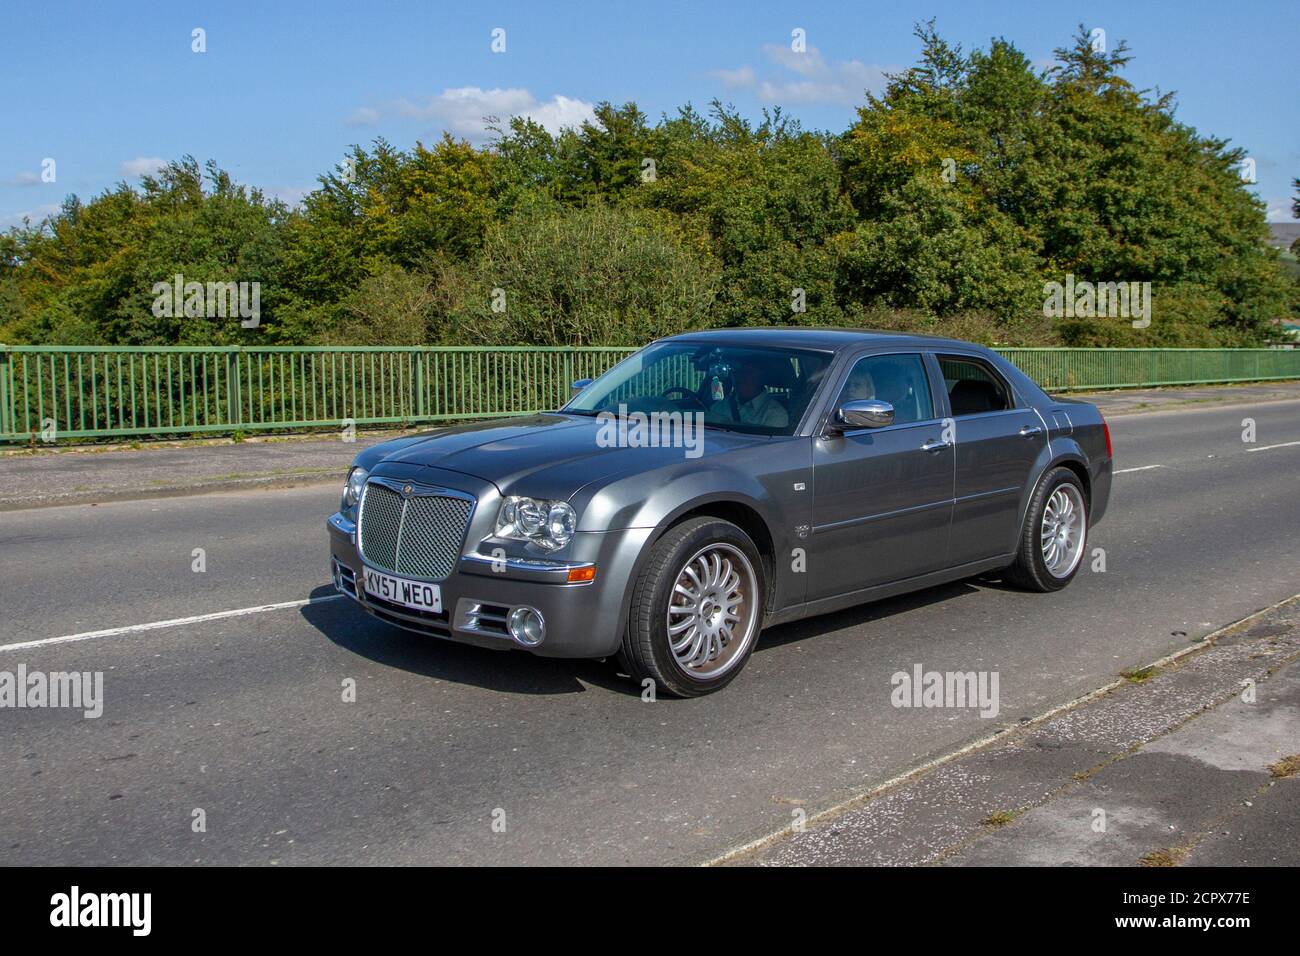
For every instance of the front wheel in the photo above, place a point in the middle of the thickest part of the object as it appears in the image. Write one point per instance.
(696, 608)
(1055, 534)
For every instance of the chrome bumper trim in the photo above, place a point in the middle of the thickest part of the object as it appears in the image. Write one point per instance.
(523, 569)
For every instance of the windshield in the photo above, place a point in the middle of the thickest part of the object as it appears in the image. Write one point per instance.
(760, 391)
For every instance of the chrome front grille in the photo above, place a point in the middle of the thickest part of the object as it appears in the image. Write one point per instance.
(418, 535)
(381, 523)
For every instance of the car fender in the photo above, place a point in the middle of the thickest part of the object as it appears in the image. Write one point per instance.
(677, 495)
(1059, 451)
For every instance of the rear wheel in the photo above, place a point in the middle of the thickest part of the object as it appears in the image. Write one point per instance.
(696, 609)
(1055, 534)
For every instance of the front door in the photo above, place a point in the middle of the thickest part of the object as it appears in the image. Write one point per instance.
(882, 497)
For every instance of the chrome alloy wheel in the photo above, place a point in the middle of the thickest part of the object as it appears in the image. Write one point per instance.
(1063, 530)
(713, 611)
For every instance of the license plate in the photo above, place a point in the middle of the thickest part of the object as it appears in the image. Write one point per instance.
(417, 594)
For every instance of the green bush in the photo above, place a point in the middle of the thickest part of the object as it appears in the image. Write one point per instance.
(594, 275)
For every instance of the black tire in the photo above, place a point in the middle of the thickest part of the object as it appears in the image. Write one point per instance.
(646, 650)
(1030, 570)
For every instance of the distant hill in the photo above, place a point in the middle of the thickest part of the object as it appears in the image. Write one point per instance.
(1282, 234)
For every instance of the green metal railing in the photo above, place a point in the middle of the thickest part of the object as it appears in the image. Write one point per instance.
(1062, 369)
(118, 391)
(70, 392)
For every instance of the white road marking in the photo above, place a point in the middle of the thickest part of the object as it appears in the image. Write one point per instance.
(1285, 444)
(174, 622)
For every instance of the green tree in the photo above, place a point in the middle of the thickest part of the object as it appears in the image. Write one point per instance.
(765, 200)
(931, 168)
(87, 274)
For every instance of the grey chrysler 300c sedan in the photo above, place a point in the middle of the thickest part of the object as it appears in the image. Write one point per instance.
(715, 483)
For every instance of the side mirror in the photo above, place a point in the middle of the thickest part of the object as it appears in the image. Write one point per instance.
(864, 414)
(578, 386)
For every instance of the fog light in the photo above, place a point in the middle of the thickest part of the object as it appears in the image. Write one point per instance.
(526, 626)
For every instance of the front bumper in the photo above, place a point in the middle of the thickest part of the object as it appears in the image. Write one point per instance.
(582, 620)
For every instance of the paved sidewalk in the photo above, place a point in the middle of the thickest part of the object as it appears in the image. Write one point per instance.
(77, 475)
(1175, 768)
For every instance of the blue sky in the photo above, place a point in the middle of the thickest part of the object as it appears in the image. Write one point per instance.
(109, 89)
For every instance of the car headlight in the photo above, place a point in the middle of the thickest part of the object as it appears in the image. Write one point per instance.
(547, 523)
(353, 487)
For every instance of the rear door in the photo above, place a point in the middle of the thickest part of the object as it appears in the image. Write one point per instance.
(998, 440)
(882, 497)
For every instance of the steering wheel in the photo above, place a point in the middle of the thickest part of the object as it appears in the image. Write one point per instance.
(686, 393)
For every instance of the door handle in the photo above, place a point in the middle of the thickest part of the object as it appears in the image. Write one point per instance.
(936, 444)
(1029, 431)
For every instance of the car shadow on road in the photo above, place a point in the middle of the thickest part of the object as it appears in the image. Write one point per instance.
(509, 671)
(517, 672)
(863, 614)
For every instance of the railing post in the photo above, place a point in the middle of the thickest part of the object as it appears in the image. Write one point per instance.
(234, 405)
(6, 394)
(419, 384)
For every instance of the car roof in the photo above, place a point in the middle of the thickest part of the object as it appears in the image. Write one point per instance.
(821, 338)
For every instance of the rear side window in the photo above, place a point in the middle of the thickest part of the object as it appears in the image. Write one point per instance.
(973, 387)
(897, 379)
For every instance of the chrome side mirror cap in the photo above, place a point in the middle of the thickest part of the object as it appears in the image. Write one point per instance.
(864, 414)
(578, 386)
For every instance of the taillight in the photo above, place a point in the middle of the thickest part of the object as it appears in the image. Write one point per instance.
(1106, 431)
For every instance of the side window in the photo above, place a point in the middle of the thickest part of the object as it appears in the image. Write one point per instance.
(973, 387)
(897, 379)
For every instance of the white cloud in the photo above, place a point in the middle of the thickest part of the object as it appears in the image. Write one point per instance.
(363, 116)
(809, 63)
(560, 112)
(1279, 209)
(813, 81)
(845, 82)
(290, 195)
(739, 78)
(35, 215)
(463, 111)
(142, 166)
(26, 179)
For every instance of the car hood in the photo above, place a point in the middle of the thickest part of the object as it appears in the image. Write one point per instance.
(550, 456)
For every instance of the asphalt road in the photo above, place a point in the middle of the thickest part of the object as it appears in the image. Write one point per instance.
(243, 717)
